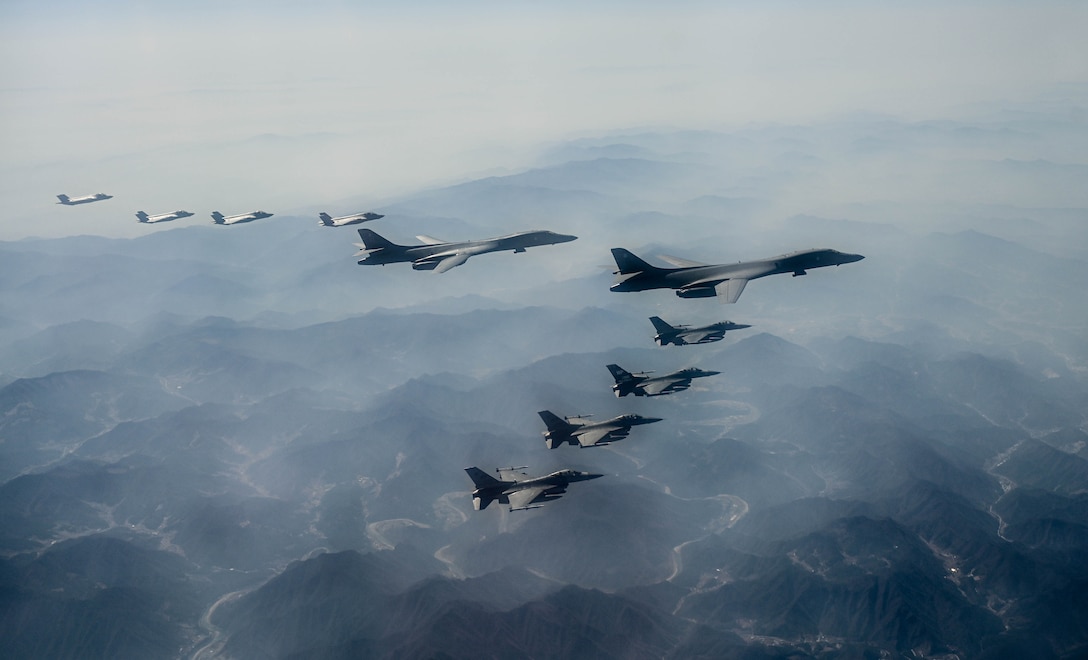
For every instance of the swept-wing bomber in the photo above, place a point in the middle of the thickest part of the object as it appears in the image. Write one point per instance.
(221, 219)
(585, 433)
(642, 384)
(441, 256)
(726, 281)
(345, 220)
(87, 199)
(682, 335)
(162, 217)
(521, 493)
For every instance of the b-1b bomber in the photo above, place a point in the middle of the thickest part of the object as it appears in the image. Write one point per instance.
(441, 256)
(692, 279)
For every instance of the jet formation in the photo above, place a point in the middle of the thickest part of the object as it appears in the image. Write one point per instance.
(642, 384)
(162, 217)
(692, 279)
(87, 199)
(682, 335)
(345, 220)
(521, 494)
(584, 433)
(221, 219)
(441, 256)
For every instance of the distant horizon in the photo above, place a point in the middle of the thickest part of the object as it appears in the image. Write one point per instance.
(242, 106)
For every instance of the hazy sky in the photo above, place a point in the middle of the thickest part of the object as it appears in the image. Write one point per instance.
(237, 106)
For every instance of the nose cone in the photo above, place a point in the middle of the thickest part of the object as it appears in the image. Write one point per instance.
(851, 258)
(589, 475)
(708, 373)
(649, 420)
(562, 238)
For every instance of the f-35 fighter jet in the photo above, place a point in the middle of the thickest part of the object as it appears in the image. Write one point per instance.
(681, 335)
(440, 256)
(642, 384)
(345, 220)
(221, 219)
(580, 431)
(86, 199)
(692, 279)
(521, 494)
(162, 217)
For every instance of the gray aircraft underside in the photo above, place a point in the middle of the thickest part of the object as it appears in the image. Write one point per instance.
(642, 384)
(327, 220)
(682, 335)
(584, 433)
(520, 493)
(86, 199)
(726, 281)
(441, 256)
(220, 219)
(162, 217)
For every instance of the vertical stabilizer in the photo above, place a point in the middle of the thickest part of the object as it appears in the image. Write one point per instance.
(218, 218)
(141, 216)
(660, 325)
(63, 199)
(326, 219)
(629, 263)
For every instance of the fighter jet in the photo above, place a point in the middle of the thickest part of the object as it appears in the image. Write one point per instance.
(68, 201)
(345, 220)
(682, 335)
(695, 280)
(163, 217)
(220, 219)
(642, 384)
(580, 431)
(521, 494)
(440, 256)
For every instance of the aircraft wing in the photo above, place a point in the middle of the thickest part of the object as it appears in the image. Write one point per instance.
(429, 240)
(523, 498)
(693, 337)
(729, 290)
(593, 436)
(680, 263)
(654, 387)
(450, 261)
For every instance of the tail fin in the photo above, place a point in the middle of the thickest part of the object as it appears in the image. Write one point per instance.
(326, 219)
(629, 263)
(554, 422)
(620, 374)
(481, 478)
(374, 241)
(141, 216)
(217, 217)
(63, 199)
(660, 325)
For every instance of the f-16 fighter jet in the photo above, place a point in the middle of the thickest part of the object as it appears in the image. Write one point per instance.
(345, 220)
(163, 217)
(521, 494)
(220, 219)
(580, 431)
(692, 279)
(70, 201)
(440, 256)
(685, 334)
(642, 384)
